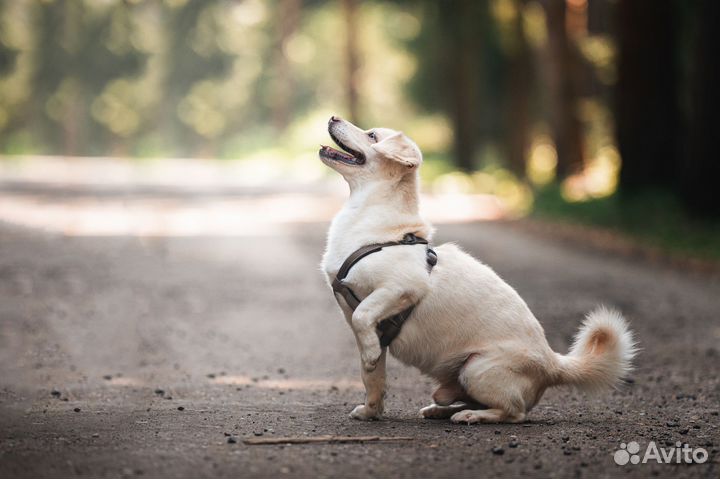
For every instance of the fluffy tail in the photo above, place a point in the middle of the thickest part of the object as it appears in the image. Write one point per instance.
(601, 354)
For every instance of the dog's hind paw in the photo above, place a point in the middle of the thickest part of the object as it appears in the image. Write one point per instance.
(470, 416)
(435, 411)
(364, 413)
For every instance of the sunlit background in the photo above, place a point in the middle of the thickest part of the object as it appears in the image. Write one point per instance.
(592, 111)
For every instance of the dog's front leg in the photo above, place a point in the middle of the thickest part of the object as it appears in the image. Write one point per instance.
(374, 382)
(380, 304)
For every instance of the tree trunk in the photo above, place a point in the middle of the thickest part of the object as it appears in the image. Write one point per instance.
(463, 52)
(520, 72)
(289, 20)
(701, 164)
(563, 89)
(352, 58)
(647, 112)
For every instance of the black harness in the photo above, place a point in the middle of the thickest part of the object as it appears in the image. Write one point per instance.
(388, 328)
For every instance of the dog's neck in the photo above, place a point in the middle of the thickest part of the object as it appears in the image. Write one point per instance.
(393, 196)
(376, 213)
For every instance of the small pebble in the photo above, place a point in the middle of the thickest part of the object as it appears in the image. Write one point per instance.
(55, 393)
(258, 433)
(159, 392)
(77, 409)
(281, 370)
(107, 377)
(231, 440)
(498, 450)
(211, 376)
(180, 408)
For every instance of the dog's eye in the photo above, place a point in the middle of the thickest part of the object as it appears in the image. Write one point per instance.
(372, 136)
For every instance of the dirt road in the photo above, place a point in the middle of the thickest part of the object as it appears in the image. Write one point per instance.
(141, 356)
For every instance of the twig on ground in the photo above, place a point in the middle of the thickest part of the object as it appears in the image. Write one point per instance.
(261, 441)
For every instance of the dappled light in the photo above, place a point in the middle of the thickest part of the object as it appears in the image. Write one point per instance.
(507, 100)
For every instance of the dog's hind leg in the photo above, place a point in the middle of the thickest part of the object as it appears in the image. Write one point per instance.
(498, 387)
(374, 382)
(449, 398)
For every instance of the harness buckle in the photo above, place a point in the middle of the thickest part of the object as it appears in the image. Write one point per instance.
(431, 257)
(409, 238)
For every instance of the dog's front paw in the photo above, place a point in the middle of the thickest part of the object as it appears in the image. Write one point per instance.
(364, 413)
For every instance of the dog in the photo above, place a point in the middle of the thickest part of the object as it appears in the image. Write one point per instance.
(469, 330)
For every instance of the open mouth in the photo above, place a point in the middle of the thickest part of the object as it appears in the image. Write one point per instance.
(349, 156)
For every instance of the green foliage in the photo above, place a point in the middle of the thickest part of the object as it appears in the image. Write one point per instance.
(653, 217)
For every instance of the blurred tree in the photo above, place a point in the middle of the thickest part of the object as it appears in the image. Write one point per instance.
(646, 104)
(352, 57)
(518, 100)
(701, 168)
(562, 72)
(7, 59)
(463, 48)
(288, 12)
(192, 55)
(76, 57)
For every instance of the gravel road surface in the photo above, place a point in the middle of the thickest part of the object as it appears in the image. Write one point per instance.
(151, 356)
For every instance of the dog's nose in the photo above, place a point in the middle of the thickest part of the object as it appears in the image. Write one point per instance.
(334, 119)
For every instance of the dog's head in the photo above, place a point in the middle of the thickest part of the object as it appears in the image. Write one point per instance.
(369, 155)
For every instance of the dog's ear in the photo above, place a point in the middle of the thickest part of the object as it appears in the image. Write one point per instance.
(400, 148)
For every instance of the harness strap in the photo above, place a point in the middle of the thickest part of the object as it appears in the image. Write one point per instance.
(388, 328)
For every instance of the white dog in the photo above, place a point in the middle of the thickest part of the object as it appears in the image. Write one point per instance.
(469, 330)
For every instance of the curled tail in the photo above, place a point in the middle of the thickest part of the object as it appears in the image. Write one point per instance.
(601, 354)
